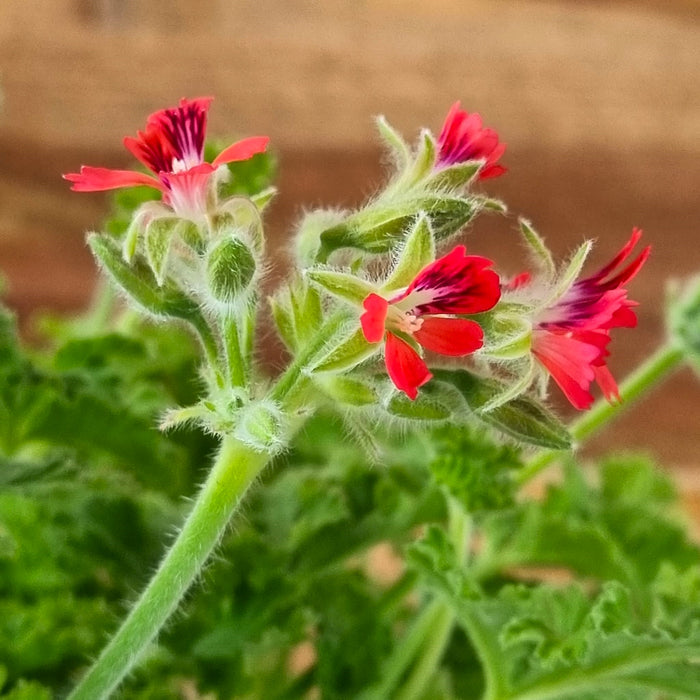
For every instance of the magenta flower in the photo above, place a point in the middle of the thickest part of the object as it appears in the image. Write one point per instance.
(463, 138)
(570, 339)
(172, 147)
(454, 284)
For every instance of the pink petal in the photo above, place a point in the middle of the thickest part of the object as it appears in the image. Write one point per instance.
(372, 321)
(92, 179)
(450, 336)
(405, 367)
(242, 150)
(570, 362)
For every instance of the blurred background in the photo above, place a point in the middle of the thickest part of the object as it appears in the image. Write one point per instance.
(599, 103)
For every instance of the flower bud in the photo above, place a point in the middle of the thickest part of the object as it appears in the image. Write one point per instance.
(230, 269)
(263, 427)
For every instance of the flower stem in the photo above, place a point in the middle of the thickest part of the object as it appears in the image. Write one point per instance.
(657, 367)
(436, 622)
(234, 470)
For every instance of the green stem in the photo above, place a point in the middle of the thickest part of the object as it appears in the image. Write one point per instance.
(433, 650)
(441, 614)
(236, 363)
(235, 469)
(666, 359)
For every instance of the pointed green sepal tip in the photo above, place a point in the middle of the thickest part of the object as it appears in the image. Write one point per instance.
(417, 252)
(342, 285)
(230, 269)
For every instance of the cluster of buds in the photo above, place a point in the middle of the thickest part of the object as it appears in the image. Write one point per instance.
(385, 313)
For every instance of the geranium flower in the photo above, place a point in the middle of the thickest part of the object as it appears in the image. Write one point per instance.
(570, 338)
(454, 284)
(463, 138)
(172, 147)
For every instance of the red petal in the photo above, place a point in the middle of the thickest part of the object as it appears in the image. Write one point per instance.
(405, 367)
(242, 150)
(98, 179)
(372, 321)
(456, 283)
(570, 362)
(450, 336)
(607, 383)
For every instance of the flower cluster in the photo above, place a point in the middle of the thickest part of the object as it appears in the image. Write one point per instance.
(445, 305)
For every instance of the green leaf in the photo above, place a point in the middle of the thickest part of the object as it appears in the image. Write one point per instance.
(418, 251)
(342, 285)
(475, 470)
(522, 418)
(425, 158)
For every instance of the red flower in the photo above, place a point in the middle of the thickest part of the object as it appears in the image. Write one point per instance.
(463, 138)
(570, 338)
(454, 284)
(172, 147)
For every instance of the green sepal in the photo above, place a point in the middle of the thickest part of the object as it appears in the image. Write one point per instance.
(297, 312)
(380, 228)
(539, 249)
(158, 238)
(423, 408)
(522, 418)
(346, 390)
(570, 274)
(347, 354)
(454, 176)
(139, 283)
(264, 197)
(284, 320)
(426, 156)
(230, 269)
(342, 285)
(394, 142)
(418, 251)
(507, 337)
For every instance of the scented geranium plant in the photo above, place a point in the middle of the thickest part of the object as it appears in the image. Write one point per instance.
(410, 417)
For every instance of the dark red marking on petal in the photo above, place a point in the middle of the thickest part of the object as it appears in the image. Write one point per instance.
(458, 284)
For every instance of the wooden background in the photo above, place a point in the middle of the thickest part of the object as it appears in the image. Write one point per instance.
(599, 103)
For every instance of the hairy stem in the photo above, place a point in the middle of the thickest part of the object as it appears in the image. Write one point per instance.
(656, 368)
(234, 470)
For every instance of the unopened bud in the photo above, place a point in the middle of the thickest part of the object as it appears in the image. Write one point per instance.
(230, 269)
